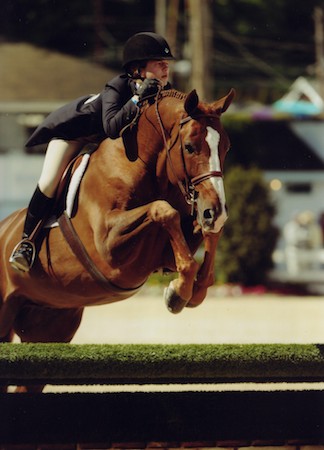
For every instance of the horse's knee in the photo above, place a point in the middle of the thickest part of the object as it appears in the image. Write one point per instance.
(162, 212)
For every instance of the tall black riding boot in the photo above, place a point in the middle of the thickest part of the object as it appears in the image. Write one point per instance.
(23, 255)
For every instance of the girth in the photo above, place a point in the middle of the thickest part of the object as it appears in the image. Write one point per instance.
(81, 253)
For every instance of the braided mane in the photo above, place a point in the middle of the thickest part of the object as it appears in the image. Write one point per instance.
(173, 93)
(164, 93)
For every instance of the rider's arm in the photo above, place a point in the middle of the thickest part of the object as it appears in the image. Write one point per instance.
(118, 109)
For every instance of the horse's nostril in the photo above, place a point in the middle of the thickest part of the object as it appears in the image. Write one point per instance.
(213, 213)
(209, 214)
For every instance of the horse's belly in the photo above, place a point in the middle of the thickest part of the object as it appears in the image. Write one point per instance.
(84, 295)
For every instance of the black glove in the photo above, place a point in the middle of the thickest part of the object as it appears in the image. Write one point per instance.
(149, 87)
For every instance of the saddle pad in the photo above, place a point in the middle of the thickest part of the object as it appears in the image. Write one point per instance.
(72, 190)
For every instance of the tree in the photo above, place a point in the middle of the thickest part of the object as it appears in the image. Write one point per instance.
(201, 38)
(258, 47)
(249, 236)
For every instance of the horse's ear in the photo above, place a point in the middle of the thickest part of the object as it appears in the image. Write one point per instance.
(223, 104)
(191, 102)
(228, 99)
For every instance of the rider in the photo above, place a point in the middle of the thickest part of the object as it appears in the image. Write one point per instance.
(91, 118)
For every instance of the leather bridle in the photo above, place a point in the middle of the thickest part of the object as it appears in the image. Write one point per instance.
(187, 186)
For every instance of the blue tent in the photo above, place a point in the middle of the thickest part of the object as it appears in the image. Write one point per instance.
(301, 100)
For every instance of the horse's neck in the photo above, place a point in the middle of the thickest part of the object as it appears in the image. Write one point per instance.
(156, 124)
(154, 135)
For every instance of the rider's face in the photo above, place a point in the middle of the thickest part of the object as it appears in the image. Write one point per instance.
(157, 69)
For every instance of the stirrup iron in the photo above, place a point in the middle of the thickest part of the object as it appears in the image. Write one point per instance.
(23, 255)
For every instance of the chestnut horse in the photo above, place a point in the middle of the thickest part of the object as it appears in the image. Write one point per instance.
(133, 217)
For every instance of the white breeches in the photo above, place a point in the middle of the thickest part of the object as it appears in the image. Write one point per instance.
(58, 155)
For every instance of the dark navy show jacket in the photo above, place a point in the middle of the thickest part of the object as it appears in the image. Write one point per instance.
(98, 116)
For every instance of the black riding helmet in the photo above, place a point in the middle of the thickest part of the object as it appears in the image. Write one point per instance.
(145, 46)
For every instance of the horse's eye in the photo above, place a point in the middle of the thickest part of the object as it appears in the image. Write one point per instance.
(189, 148)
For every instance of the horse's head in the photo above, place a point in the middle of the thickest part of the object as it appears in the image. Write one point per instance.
(196, 155)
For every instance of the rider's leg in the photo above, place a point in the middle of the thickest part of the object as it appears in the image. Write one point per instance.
(59, 153)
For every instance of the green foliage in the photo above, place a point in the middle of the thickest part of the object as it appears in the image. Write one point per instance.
(249, 237)
(259, 47)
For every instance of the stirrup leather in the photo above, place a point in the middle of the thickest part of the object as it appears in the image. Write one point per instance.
(23, 255)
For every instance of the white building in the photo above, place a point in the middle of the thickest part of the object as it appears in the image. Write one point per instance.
(296, 178)
(34, 82)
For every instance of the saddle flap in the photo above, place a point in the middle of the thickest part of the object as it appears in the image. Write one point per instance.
(69, 184)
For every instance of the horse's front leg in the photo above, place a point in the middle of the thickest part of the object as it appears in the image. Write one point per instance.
(205, 276)
(180, 290)
(125, 227)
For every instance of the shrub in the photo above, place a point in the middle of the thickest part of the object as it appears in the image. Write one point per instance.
(249, 236)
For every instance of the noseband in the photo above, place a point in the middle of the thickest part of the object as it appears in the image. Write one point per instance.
(187, 187)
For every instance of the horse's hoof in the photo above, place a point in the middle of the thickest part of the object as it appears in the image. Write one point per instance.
(174, 302)
(191, 305)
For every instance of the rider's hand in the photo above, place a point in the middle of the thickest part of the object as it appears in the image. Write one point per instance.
(149, 87)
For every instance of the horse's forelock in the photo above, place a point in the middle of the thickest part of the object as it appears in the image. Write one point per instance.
(208, 109)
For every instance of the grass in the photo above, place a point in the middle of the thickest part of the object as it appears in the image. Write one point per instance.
(157, 363)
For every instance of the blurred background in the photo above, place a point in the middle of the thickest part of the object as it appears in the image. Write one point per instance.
(272, 53)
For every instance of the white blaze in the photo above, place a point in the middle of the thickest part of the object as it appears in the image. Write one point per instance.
(213, 139)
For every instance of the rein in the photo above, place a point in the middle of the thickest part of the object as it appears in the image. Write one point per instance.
(187, 187)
